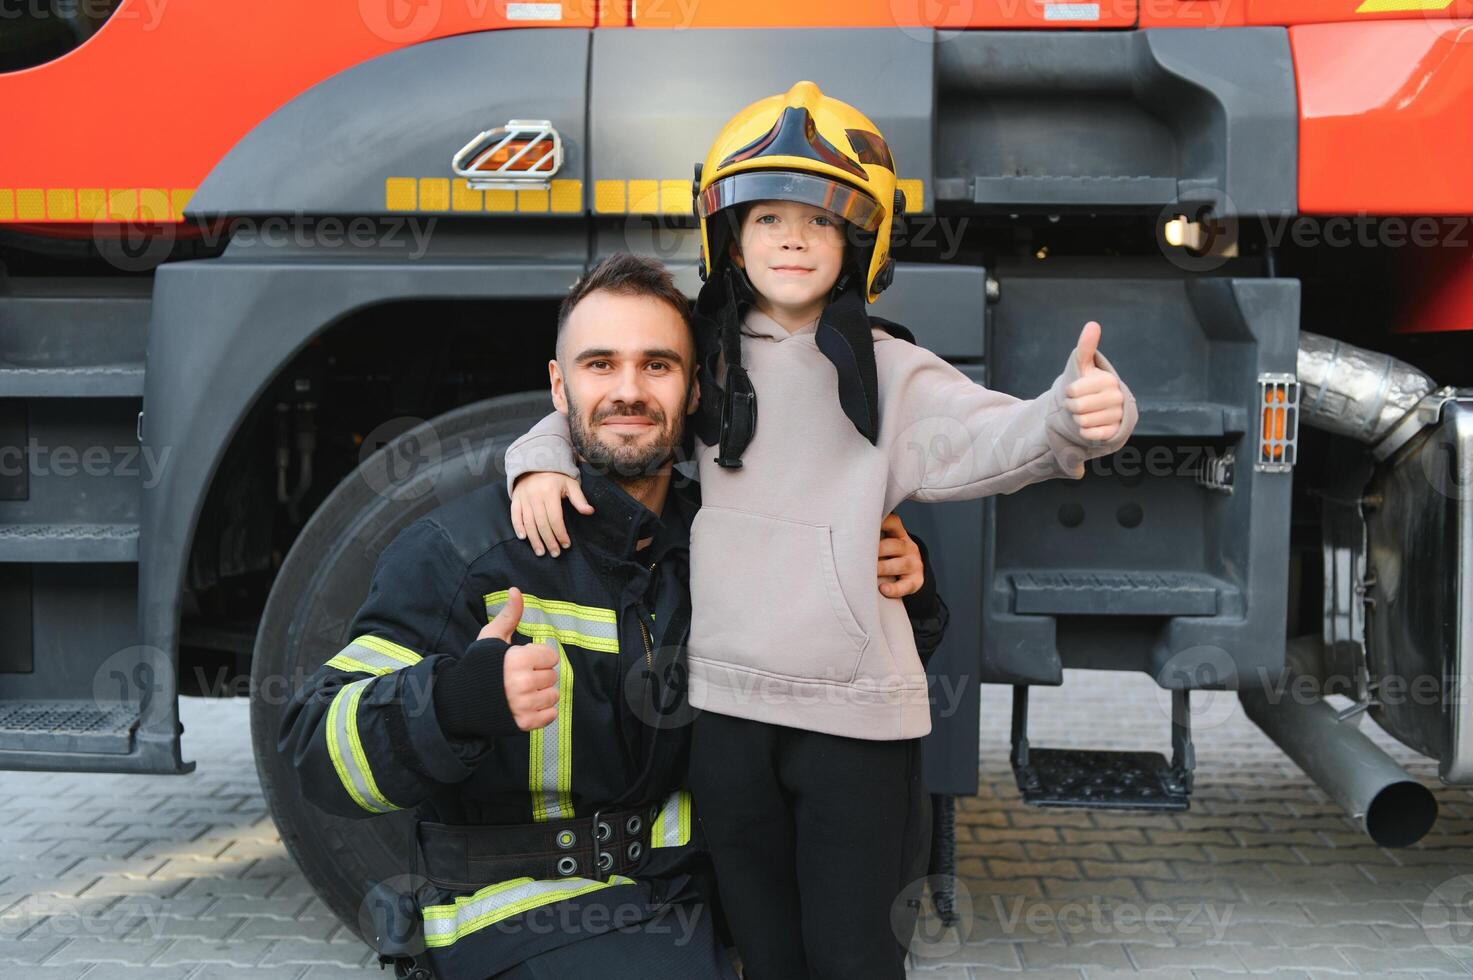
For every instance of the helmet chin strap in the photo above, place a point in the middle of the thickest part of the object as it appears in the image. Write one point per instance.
(845, 339)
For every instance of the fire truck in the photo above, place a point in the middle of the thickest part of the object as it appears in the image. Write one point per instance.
(276, 280)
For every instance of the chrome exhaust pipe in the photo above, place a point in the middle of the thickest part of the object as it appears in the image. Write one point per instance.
(1391, 807)
(1371, 397)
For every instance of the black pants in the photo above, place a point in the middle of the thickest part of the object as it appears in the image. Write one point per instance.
(814, 837)
(679, 942)
(669, 945)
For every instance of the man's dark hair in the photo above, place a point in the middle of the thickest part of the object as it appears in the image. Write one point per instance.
(627, 275)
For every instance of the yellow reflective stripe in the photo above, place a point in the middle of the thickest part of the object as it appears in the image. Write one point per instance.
(345, 749)
(589, 627)
(550, 753)
(542, 632)
(390, 649)
(373, 655)
(594, 613)
(444, 924)
(344, 662)
(672, 826)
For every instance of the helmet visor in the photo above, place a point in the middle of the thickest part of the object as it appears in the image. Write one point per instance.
(849, 203)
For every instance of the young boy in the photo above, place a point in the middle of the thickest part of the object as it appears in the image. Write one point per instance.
(805, 760)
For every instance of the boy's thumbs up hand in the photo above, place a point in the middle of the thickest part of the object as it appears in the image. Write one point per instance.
(1084, 351)
(1094, 399)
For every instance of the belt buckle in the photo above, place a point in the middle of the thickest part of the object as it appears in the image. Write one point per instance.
(598, 868)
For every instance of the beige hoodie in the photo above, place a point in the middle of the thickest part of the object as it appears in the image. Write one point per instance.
(787, 624)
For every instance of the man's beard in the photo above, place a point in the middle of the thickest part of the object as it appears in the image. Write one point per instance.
(624, 461)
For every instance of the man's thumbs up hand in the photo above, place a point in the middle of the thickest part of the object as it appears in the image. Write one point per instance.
(505, 623)
(1094, 399)
(528, 671)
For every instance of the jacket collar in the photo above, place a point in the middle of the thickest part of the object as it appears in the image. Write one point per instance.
(620, 522)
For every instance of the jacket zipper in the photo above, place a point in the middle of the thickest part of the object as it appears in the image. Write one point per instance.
(649, 659)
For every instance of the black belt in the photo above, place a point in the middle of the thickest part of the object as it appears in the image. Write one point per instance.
(469, 856)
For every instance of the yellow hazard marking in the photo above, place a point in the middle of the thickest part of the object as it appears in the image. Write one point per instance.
(608, 197)
(179, 198)
(501, 201)
(567, 196)
(532, 200)
(91, 203)
(400, 194)
(1391, 6)
(122, 205)
(644, 197)
(463, 198)
(434, 194)
(444, 194)
(7, 204)
(153, 205)
(61, 203)
(30, 204)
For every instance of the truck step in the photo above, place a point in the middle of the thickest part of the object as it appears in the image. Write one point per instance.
(85, 381)
(1120, 593)
(1103, 779)
(67, 726)
(69, 543)
(1100, 779)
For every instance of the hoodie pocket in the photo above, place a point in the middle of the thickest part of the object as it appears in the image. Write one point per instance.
(765, 595)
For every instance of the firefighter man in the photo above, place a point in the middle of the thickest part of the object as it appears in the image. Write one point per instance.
(531, 707)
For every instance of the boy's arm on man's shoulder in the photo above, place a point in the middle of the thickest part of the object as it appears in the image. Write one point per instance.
(546, 447)
(950, 438)
(362, 733)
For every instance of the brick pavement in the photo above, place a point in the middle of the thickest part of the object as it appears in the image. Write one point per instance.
(108, 876)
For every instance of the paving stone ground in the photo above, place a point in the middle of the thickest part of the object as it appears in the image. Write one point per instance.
(108, 876)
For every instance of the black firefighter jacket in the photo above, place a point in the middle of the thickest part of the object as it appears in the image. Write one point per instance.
(369, 732)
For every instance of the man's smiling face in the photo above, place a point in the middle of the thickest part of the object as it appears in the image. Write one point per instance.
(623, 378)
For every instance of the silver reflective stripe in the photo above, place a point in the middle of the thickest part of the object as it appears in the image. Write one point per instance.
(590, 627)
(444, 924)
(373, 655)
(550, 752)
(672, 827)
(346, 749)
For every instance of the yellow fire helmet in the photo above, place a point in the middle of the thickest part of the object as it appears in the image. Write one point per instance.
(802, 146)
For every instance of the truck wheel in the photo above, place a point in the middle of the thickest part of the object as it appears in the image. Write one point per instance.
(320, 586)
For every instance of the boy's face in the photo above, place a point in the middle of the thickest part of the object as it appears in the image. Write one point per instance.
(792, 253)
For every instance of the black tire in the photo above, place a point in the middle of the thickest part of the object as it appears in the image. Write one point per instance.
(322, 583)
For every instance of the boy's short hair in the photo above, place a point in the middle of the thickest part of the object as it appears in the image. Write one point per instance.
(625, 274)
